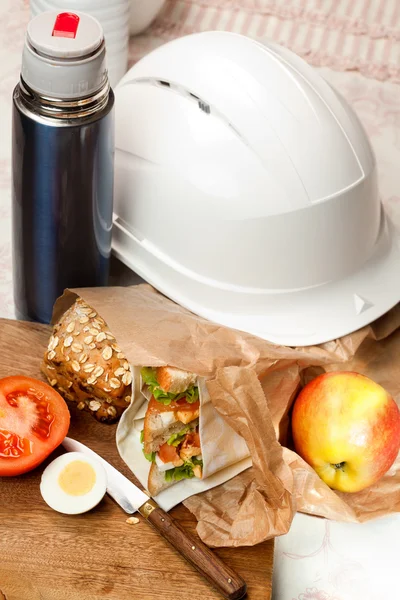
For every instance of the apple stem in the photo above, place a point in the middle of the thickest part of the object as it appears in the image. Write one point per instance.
(338, 465)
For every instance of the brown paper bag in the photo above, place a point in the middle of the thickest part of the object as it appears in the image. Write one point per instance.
(252, 384)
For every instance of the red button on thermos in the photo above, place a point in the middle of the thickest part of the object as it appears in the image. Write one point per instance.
(66, 25)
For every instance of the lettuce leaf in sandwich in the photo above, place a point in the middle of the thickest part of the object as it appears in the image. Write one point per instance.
(149, 377)
(183, 472)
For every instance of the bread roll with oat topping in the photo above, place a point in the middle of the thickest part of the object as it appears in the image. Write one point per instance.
(85, 364)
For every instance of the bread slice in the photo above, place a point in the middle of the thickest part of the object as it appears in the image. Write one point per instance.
(156, 433)
(156, 482)
(175, 381)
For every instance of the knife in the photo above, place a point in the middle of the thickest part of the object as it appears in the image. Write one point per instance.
(131, 499)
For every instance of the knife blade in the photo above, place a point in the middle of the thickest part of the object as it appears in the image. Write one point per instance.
(130, 498)
(124, 492)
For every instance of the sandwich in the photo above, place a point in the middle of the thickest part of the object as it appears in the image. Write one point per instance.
(170, 436)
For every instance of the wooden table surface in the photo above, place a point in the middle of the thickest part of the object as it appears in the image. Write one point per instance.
(45, 555)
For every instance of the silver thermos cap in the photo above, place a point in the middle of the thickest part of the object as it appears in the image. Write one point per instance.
(64, 55)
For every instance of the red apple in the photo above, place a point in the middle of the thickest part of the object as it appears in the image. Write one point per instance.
(347, 427)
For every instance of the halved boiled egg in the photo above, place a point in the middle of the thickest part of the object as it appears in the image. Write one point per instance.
(73, 483)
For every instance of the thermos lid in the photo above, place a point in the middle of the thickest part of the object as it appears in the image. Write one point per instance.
(64, 55)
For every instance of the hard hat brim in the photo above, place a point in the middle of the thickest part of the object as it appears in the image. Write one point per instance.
(303, 317)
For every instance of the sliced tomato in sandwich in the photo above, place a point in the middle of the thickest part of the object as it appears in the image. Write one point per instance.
(189, 447)
(182, 404)
(34, 420)
(168, 453)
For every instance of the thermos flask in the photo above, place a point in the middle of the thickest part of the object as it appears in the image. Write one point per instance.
(62, 162)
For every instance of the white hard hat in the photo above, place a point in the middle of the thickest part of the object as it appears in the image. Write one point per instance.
(246, 191)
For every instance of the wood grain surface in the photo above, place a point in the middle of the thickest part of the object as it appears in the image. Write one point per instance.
(45, 555)
(221, 576)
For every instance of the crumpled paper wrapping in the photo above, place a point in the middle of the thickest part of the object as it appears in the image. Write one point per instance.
(224, 452)
(253, 384)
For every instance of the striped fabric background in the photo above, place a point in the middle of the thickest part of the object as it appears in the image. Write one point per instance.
(356, 35)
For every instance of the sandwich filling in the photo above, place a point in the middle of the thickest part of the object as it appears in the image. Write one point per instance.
(180, 456)
(170, 436)
(153, 378)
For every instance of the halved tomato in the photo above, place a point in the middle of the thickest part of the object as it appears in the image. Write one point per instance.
(34, 420)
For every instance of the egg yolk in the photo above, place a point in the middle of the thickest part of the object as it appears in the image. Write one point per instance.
(77, 478)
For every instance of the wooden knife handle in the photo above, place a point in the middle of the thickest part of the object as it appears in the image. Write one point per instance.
(222, 577)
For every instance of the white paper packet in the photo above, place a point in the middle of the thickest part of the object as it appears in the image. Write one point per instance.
(225, 453)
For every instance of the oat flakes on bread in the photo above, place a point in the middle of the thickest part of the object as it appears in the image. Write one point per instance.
(85, 364)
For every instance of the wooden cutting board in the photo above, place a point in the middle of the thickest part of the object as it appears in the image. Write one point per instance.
(45, 555)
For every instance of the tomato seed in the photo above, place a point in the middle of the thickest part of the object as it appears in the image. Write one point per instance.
(12, 446)
(12, 400)
(45, 418)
